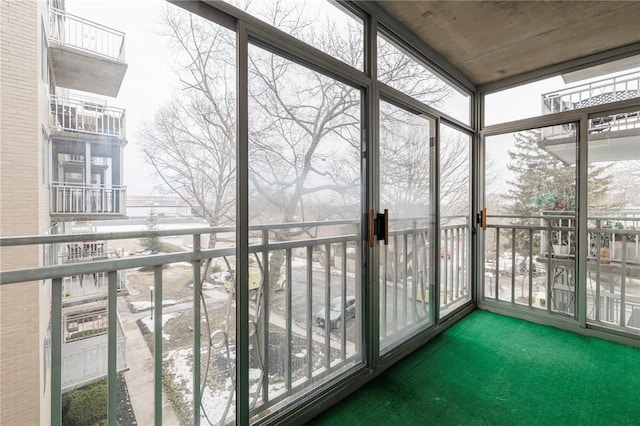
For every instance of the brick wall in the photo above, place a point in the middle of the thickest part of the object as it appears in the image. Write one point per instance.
(20, 362)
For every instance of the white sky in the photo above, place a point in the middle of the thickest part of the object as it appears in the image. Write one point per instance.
(150, 79)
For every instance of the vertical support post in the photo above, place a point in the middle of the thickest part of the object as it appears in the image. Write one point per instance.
(87, 179)
(395, 281)
(265, 288)
(445, 270)
(56, 352)
(623, 282)
(497, 262)
(327, 306)
(582, 249)
(368, 259)
(513, 265)
(309, 307)
(343, 287)
(598, 264)
(197, 321)
(415, 270)
(405, 272)
(157, 344)
(530, 266)
(550, 272)
(112, 342)
(383, 296)
(289, 317)
(434, 225)
(242, 224)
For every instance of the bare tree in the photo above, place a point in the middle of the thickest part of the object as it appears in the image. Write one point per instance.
(305, 133)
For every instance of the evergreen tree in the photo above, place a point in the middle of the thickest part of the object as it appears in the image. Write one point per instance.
(542, 183)
(151, 243)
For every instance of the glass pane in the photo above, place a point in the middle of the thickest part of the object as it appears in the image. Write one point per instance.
(305, 208)
(455, 172)
(613, 263)
(615, 81)
(406, 143)
(404, 73)
(530, 195)
(176, 105)
(322, 24)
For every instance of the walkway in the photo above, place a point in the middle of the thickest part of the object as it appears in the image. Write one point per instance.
(139, 377)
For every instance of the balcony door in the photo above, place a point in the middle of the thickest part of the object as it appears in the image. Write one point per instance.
(406, 291)
(305, 245)
(530, 236)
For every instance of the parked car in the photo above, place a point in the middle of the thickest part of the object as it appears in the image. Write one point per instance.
(335, 312)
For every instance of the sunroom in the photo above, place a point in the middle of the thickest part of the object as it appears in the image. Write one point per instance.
(383, 171)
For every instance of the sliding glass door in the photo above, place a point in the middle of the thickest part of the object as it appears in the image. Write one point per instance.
(407, 150)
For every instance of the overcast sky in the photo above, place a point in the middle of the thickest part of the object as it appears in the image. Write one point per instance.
(150, 79)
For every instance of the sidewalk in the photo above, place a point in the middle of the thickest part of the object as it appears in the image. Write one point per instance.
(139, 377)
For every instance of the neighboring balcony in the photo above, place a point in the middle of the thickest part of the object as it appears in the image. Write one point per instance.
(90, 116)
(597, 93)
(611, 137)
(84, 351)
(78, 201)
(81, 288)
(85, 55)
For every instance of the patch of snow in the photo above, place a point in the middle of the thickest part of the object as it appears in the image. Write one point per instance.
(297, 262)
(214, 402)
(146, 305)
(182, 264)
(254, 374)
(149, 323)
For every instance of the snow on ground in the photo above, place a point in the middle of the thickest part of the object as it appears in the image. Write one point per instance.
(187, 264)
(146, 305)
(214, 402)
(149, 323)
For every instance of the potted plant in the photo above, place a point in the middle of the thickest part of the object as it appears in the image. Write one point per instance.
(607, 238)
(560, 204)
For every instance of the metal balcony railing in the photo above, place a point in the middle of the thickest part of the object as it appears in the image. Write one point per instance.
(79, 199)
(84, 351)
(87, 116)
(80, 33)
(314, 271)
(534, 266)
(597, 93)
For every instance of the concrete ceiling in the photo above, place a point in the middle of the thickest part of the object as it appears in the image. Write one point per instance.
(492, 40)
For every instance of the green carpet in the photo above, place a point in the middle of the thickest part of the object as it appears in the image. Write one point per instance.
(494, 370)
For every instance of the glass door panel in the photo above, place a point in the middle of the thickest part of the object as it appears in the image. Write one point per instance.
(613, 261)
(406, 293)
(530, 196)
(455, 256)
(305, 213)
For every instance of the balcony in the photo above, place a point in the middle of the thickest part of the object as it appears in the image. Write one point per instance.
(612, 137)
(597, 93)
(84, 202)
(314, 270)
(534, 267)
(86, 116)
(85, 55)
(84, 351)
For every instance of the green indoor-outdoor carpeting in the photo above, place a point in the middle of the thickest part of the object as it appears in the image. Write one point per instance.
(494, 370)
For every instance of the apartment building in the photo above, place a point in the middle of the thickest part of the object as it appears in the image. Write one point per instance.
(62, 154)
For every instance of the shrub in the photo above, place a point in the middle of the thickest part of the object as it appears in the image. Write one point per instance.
(86, 406)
